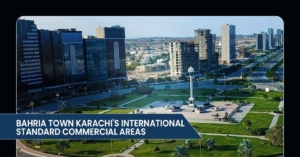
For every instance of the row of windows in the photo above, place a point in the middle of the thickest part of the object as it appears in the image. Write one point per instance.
(30, 72)
(30, 64)
(36, 82)
(33, 30)
(29, 53)
(34, 75)
(30, 41)
(32, 49)
(32, 60)
(33, 25)
(36, 56)
(32, 34)
(34, 79)
(32, 37)
(30, 68)
(28, 45)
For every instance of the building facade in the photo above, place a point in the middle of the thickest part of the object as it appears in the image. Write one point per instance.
(95, 57)
(228, 43)
(271, 38)
(203, 38)
(29, 70)
(115, 52)
(259, 42)
(182, 56)
(265, 41)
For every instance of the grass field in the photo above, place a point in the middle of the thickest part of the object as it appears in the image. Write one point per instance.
(256, 93)
(280, 120)
(258, 120)
(197, 92)
(225, 147)
(142, 102)
(94, 147)
(119, 111)
(109, 102)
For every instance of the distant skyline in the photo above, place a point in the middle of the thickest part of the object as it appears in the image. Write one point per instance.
(159, 26)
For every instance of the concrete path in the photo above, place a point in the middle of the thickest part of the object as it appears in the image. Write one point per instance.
(132, 147)
(122, 105)
(281, 104)
(234, 135)
(274, 121)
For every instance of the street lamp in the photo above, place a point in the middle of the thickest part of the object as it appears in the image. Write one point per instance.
(31, 105)
(191, 99)
(57, 95)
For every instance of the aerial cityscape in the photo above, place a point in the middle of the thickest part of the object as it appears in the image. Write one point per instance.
(225, 76)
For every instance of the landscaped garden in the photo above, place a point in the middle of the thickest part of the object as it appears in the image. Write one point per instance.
(119, 111)
(224, 147)
(280, 121)
(114, 100)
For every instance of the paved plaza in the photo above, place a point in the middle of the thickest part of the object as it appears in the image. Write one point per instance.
(191, 113)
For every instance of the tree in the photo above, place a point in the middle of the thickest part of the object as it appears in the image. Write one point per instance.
(245, 148)
(146, 141)
(65, 106)
(187, 144)
(150, 80)
(225, 116)
(180, 151)
(168, 79)
(61, 145)
(247, 123)
(133, 82)
(275, 134)
(144, 90)
(124, 83)
(160, 80)
(265, 97)
(156, 149)
(210, 143)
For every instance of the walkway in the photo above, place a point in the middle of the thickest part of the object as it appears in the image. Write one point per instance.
(276, 116)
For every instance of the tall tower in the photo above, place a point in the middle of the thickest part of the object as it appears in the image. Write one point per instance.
(29, 71)
(203, 38)
(115, 52)
(259, 42)
(228, 43)
(271, 37)
(265, 41)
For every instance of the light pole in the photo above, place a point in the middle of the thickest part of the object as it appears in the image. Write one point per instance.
(57, 95)
(191, 99)
(31, 105)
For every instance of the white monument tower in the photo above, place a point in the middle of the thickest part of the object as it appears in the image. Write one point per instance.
(191, 99)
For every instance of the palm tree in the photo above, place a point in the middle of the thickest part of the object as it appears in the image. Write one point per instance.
(210, 143)
(245, 148)
(180, 151)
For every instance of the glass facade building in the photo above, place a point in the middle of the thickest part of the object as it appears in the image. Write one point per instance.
(72, 53)
(29, 71)
(271, 37)
(259, 42)
(95, 57)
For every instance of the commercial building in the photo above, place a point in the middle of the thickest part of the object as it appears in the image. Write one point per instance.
(203, 38)
(95, 59)
(215, 53)
(115, 52)
(278, 37)
(29, 70)
(271, 38)
(265, 41)
(182, 56)
(259, 42)
(228, 43)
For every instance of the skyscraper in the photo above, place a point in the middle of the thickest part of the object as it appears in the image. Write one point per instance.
(265, 41)
(215, 54)
(95, 56)
(29, 71)
(203, 38)
(259, 42)
(182, 56)
(228, 43)
(279, 36)
(115, 52)
(271, 38)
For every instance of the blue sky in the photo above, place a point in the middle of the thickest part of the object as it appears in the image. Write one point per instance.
(159, 26)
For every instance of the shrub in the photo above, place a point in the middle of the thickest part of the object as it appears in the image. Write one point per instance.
(258, 132)
(276, 98)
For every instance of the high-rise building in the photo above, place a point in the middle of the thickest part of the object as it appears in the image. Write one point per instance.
(271, 38)
(279, 36)
(282, 37)
(115, 52)
(228, 43)
(265, 41)
(203, 38)
(182, 56)
(29, 71)
(95, 57)
(254, 35)
(215, 54)
(259, 42)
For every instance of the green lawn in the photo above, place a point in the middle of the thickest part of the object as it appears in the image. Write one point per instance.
(96, 147)
(258, 120)
(119, 111)
(109, 102)
(256, 93)
(197, 92)
(142, 102)
(85, 110)
(280, 120)
(260, 104)
(225, 147)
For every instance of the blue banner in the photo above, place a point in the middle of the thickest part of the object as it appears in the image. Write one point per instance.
(96, 126)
